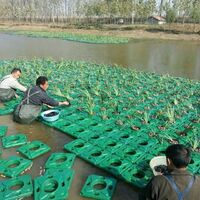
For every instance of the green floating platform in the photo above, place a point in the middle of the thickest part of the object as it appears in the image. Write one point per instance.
(94, 155)
(14, 140)
(72, 129)
(137, 177)
(60, 161)
(14, 166)
(55, 184)
(34, 149)
(99, 187)
(106, 143)
(77, 146)
(3, 130)
(16, 188)
(130, 153)
(7, 110)
(115, 165)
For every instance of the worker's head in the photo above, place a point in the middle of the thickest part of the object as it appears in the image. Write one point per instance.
(42, 81)
(178, 156)
(16, 72)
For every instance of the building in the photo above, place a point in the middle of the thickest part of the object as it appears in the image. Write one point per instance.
(156, 20)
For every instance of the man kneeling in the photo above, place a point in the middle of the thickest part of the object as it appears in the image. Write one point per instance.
(31, 105)
(9, 85)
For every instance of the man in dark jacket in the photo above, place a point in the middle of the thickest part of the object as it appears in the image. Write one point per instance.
(31, 105)
(177, 183)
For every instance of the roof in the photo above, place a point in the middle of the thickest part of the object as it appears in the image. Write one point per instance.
(159, 18)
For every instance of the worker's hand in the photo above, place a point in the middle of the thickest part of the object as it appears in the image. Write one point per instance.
(16, 96)
(66, 103)
(48, 106)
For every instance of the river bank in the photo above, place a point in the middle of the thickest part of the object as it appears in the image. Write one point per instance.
(166, 32)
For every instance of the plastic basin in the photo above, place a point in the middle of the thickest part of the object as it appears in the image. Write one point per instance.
(50, 115)
(156, 161)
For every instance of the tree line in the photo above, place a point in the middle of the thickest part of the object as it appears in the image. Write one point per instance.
(65, 10)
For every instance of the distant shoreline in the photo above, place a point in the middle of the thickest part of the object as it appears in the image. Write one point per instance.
(133, 32)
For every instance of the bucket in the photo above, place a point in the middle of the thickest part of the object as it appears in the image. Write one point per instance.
(156, 161)
(50, 115)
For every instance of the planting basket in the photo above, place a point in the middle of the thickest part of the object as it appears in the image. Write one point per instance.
(60, 161)
(14, 166)
(14, 140)
(24, 184)
(99, 187)
(55, 184)
(34, 149)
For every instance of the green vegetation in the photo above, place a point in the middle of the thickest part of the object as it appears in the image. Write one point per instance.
(97, 12)
(71, 37)
(152, 110)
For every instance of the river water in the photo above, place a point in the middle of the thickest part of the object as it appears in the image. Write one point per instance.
(177, 58)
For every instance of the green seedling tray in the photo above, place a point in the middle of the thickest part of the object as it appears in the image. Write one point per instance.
(144, 145)
(109, 144)
(55, 184)
(75, 117)
(122, 136)
(60, 123)
(130, 153)
(14, 140)
(194, 166)
(94, 155)
(102, 128)
(16, 188)
(60, 161)
(34, 149)
(3, 130)
(77, 146)
(115, 165)
(7, 110)
(72, 130)
(112, 134)
(99, 187)
(14, 166)
(137, 177)
(94, 138)
(194, 169)
(87, 122)
(88, 134)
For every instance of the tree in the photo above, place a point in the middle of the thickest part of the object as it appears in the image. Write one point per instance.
(170, 15)
(183, 8)
(195, 14)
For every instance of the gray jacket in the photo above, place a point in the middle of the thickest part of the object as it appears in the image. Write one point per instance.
(39, 98)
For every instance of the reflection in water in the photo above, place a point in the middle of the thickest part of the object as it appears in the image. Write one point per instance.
(177, 58)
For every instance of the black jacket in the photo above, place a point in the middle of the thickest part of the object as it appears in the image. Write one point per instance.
(38, 96)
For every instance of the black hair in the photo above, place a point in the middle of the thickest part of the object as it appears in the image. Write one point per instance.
(16, 70)
(179, 155)
(41, 80)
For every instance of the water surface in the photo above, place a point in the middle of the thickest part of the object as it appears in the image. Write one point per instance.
(177, 58)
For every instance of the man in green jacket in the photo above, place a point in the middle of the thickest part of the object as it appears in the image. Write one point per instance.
(31, 105)
(177, 183)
